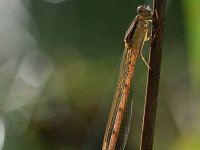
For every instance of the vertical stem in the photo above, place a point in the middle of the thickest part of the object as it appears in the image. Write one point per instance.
(153, 77)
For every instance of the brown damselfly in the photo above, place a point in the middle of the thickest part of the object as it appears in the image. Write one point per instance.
(121, 111)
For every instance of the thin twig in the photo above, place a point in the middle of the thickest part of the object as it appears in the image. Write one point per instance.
(153, 77)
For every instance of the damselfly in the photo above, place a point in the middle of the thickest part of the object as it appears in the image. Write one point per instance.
(121, 111)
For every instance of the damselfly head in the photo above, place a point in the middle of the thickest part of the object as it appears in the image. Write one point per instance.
(144, 11)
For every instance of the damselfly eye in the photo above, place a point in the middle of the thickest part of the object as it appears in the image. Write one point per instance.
(140, 9)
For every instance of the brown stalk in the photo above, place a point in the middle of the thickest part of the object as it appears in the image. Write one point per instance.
(152, 88)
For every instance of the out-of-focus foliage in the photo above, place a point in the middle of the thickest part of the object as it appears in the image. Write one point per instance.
(191, 16)
(59, 64)
(189, 142)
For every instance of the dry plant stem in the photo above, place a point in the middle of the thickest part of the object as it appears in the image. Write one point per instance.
(153, 77)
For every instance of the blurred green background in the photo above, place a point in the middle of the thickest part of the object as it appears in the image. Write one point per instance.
(59, 67)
